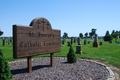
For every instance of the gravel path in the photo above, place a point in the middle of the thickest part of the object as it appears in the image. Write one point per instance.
(41, 70)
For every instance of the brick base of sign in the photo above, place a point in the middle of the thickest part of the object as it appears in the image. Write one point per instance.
(95, 44)
(78, 49)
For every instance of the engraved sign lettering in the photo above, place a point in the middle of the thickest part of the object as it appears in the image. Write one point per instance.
(37, 39)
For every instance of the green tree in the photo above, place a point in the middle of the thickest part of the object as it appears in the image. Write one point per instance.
(108, 37)
(65, 35)
(5, 73)
(92, 33)
(1, 33)
(116, 32)
(81, 35)
(107, 32)
(115, 35)
(86, 34)
(113, 32)
(71, 56)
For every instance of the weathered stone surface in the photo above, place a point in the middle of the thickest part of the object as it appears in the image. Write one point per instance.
(78, 49)
(96, 44)
(36, 39)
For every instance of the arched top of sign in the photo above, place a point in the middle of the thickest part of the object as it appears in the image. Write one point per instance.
(41, 24)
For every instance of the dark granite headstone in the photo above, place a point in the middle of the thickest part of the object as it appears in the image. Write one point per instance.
(71, 40)
(69, 43)
(63, 42)
(110, 41)
(85, 41)
(78, 47)
(3, 42)
(74, 40)
(101, 43)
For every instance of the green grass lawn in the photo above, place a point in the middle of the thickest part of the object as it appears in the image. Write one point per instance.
(106, 52)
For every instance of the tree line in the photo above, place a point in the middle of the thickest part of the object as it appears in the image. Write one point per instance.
(91, 34)
(107, 37)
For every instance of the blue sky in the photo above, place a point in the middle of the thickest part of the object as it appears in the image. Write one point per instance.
(70, 16)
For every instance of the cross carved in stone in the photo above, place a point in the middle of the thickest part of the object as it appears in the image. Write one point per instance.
(43, 24)
(47, 25)
(38, 23)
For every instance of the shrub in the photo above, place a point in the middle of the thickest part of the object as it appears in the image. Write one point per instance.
(71, 56)
(5, 73)
(1, 54)
(108, 37)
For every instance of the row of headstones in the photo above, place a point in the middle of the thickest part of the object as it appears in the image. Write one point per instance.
(95, 44)
(85, 41)
(9, 41)
(73, 40)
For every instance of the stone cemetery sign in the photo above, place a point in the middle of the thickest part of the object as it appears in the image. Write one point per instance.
(36, 39)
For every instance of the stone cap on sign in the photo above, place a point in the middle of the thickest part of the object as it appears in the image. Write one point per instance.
(36, 39)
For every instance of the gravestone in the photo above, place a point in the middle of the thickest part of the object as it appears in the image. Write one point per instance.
(101, 43)
(63, 41)
(78, 47)
(110, 41)
(95, 43)
(3, 42)
(10, 40)
(71, 40)
(85, 41)
(9, 43)
(69, 43)
(79, 41)
(74, 40)
(37, 39)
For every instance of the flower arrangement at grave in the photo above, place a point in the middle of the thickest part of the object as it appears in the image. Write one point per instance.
(71, 56)
(5, 73)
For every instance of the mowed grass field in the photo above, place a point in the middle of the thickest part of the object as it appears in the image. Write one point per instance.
(106, 52)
